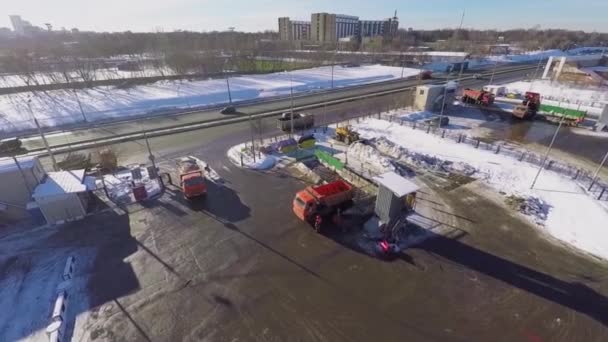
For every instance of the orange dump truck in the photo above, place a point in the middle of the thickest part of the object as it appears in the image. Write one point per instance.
(316, 203)
(191, 178)
(478, 97)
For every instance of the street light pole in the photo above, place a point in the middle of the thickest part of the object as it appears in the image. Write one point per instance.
(291, 97)
(493, 72)
(597, 172)
(46, 144)
(228, 86)
(542, 164)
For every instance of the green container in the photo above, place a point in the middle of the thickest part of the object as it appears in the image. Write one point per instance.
(329, 159)
(566, 112)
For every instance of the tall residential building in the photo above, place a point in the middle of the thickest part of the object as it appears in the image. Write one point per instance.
(18, 24)
(294, 29)
(285, 28)
(323, 27)
(346, 26)
(21, 26)
(386, 28)
(371, 28)
(328, 27)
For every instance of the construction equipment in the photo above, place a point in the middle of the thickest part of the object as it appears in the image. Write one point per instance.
(300, 121)
(478, 97)
(316, 203)
(529, 106)
(347, 135)
(191, 178)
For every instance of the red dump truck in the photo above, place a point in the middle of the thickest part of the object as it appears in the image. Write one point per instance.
(529, 106)
(191, 178)
(478, 97)
(316, 203)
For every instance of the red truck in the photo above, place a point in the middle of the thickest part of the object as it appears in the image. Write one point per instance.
(529, 106)
(315, 203)
(478, 97)
(191, 178)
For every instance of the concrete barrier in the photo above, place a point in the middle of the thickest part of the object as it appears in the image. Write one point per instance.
(68, 271)
(59, 308)
(54, 331)
(308, 173)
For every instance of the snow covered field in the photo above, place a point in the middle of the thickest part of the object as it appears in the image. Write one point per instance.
(572, 217)
(54, 108)
(590, 99)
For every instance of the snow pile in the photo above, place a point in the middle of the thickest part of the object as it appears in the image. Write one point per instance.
(531, 206)
(417, 116)
(58, 107)
(240, 155)
(426, 161)
(370, 158)
(572, 216)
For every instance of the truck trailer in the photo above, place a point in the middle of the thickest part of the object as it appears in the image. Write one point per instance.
(300, 121)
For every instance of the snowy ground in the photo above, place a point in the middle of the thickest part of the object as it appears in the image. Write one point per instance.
(53, 108)
(589, 99)
(242, 156)
(42, 78)
(581, 225)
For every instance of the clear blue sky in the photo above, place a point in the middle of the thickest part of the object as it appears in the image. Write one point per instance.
(257, 15)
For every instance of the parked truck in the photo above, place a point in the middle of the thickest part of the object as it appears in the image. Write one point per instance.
(478, 97)
(528, 107)
(316, 203)
(191, 178)
(300, 121)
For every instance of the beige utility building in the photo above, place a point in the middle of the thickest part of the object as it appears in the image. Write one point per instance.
(18, 179)
(64, 196)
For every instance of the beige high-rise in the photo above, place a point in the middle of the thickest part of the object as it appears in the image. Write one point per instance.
(323, 27)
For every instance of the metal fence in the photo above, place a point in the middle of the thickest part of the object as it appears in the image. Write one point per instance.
(597, 188)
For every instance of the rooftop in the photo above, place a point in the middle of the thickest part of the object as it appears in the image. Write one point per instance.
(8, 164)
(397, 184)
(63, 182)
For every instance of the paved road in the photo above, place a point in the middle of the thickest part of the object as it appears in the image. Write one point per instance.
(110, 130)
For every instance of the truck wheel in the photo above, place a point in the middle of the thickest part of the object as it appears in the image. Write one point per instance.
(317, 224)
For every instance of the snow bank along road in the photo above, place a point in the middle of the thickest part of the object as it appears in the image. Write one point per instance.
(158, 126)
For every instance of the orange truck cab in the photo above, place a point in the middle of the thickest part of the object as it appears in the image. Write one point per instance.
(193, 184)
(322, 200)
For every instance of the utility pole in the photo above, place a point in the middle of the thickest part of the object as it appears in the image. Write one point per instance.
(542, 164)
(228, 86)
(80, 105)
(493, 72)
(597, 172)
(445, 94)
(46, 144)
(252, 138)
(150, 155)
(291, 96)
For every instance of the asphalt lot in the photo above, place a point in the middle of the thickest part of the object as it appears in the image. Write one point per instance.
(240, 266)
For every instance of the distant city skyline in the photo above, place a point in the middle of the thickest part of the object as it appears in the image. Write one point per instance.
(260, 15)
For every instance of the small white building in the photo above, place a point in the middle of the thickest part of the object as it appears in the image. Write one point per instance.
(64, 196)
(430, 97)
(18, 179)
